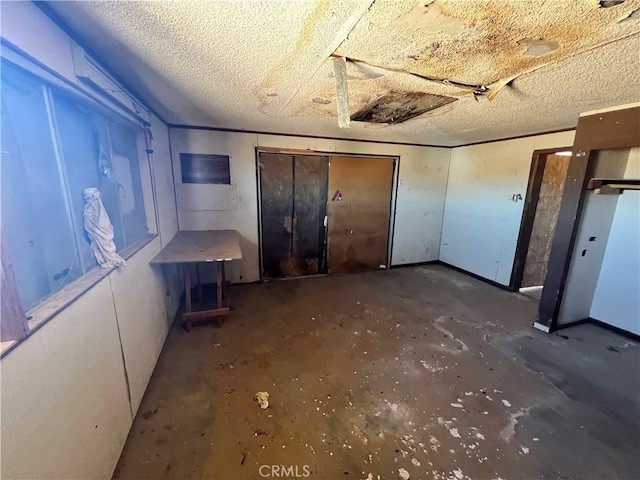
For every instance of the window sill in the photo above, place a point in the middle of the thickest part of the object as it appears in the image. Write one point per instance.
(56, 303)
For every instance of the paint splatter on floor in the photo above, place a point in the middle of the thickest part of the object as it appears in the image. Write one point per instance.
(403, 379)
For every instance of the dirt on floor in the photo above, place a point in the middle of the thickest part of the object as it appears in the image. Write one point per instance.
(420, 373)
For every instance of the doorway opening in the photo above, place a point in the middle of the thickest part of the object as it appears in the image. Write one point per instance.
(540, 217)
(323, 213)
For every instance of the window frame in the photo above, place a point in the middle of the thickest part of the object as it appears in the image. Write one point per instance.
(38, 315)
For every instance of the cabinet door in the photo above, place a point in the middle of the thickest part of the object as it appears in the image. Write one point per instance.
(359, 211)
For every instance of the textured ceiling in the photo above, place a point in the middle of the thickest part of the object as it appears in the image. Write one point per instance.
(266, 65)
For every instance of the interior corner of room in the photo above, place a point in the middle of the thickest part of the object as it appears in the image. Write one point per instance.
(430, 201)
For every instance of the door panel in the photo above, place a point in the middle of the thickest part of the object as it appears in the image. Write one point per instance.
(544, 223)
(310, 207)
(293, 198)
(276, 194)
(359, 211)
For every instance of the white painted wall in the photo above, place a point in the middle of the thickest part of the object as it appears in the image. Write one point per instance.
(163, 175)
(422, 186)
(65, 410)
(588, 255)
(481, 220)
(420, 197)
(617, 297)
(243, 213)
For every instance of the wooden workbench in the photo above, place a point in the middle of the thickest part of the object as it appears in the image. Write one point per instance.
(190, 248)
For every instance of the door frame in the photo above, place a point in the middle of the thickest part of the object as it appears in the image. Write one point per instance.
(298, 152)
(598, 130)
(536, 173)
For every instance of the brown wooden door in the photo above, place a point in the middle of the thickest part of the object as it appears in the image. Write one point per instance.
(293, 199)
(359, 210)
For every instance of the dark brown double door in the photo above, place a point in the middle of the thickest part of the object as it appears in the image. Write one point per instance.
(323, 214)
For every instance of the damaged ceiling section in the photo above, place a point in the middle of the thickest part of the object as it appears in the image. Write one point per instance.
(267, 65)
(397, 107)
(467, 48)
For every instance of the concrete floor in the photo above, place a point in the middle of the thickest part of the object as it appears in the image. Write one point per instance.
(417, 372)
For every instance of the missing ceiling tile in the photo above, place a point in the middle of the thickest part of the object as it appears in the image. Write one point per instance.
(396, 107)
(536, 47)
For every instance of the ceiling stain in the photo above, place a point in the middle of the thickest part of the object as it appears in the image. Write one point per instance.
(397, 107)
(491, 54)
(275, 77)
(433, 17)
(362, 65)
(538, 47)
(259, 65)
(304, 61)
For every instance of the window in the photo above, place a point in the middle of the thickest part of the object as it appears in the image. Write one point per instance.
(197, 168)
(53, 147)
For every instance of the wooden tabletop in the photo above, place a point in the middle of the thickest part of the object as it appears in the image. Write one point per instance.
(189, 246)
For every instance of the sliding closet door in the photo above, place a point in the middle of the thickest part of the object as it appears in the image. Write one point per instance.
(276, 199)
(359, 212)
(293, 192)
(310, 208)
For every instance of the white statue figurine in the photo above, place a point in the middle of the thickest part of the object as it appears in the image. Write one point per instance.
(100, 230)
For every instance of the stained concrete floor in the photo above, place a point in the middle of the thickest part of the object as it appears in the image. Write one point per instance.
(421, 373)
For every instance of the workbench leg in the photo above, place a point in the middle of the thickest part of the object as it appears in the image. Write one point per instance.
(224, 281)
(187, 292)
(220, 280)
(199, 283)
